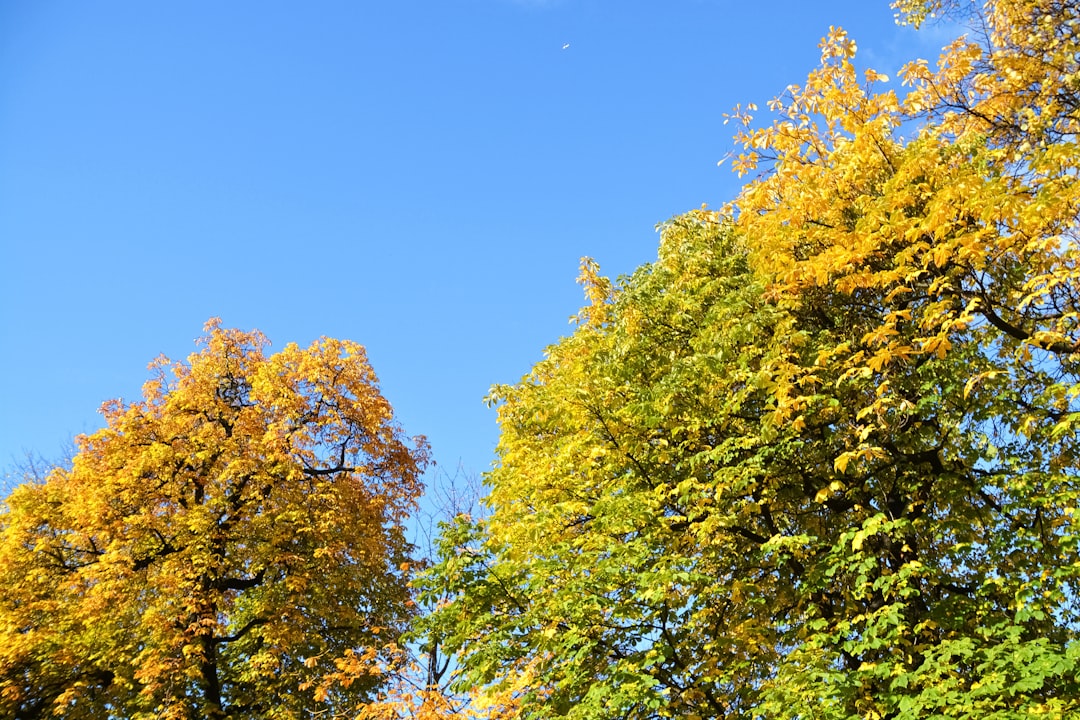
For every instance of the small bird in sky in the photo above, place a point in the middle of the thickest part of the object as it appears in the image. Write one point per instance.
(566, 46)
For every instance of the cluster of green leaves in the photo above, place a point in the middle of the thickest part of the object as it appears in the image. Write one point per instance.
(820, 459)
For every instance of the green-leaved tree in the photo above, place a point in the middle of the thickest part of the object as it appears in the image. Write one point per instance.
(820, 459)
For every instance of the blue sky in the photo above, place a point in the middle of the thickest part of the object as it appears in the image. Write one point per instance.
(421, 176)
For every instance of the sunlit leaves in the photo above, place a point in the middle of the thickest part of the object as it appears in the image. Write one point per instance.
(820, 459)
(217, 547)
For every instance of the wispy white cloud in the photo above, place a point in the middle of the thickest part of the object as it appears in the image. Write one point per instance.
(906, 44)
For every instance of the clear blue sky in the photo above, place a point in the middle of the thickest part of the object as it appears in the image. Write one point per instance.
(421, 176)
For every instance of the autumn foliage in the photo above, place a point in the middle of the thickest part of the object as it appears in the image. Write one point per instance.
(218, 549)
(820, 459)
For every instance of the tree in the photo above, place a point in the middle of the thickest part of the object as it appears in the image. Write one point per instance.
(218, 548)
(820, 459)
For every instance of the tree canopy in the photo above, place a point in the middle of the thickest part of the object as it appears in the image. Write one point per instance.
(219, 548)
(820, 459)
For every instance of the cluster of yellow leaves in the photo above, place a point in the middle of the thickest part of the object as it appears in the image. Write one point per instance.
(598, 293)
(403, 698)
(243, 518)
(970, 224)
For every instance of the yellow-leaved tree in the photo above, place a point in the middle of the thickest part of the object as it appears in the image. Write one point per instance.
(219, 549)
